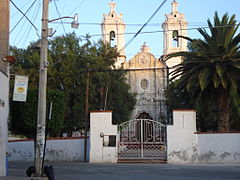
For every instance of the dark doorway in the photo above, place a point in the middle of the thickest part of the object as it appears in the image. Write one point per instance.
(144, 115)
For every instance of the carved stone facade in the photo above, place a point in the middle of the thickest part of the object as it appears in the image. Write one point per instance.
(147, 78)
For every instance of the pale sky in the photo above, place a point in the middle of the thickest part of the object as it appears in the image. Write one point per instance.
(134, 12)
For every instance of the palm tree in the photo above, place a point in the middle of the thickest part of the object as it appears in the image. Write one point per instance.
(212, 68)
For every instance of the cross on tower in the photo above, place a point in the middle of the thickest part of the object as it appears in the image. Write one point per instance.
(174, 6)
(112, 6)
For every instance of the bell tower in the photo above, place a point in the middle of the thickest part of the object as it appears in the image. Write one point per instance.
(175, 25)
(113, 29)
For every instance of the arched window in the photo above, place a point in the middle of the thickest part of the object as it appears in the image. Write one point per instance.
(112, 39)
(144, 84)
(175, 38)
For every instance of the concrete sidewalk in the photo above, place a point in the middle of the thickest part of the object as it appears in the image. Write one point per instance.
(14, 178)
(17, 178)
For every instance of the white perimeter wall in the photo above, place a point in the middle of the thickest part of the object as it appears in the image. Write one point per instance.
(56, 150)
(220, 147)
(4, 110)
(100, 129)
(181, 140)
(185, 145)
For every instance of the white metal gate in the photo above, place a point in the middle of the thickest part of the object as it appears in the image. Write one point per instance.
(142, 139)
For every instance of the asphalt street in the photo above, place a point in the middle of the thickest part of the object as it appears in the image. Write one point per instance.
(87, 171)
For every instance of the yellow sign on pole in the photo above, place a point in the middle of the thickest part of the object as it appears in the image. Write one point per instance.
(20, 88)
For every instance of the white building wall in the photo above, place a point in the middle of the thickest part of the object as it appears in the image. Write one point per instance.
(185, 145)
(181, 140)
(4, 111)
(70, 149)
(219, 147)
(100, 129)
(21, 151)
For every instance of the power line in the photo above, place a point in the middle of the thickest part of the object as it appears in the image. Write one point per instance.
(20, 8)
(28, 27)
(125, 70)
(19, 32)
(55, 4)
(161, 31)
(139, 31)
(77, 6)
(62, 22)
(34, 19)
(127, 24)
(36, 29)
(23, 16)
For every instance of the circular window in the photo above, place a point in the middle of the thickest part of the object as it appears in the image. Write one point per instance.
(144, 84)
(142, 59)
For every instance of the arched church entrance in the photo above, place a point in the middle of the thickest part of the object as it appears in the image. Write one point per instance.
(142, 139)
(144, 115)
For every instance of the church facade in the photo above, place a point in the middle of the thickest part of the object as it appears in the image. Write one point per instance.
(146, 74)
(147, 78)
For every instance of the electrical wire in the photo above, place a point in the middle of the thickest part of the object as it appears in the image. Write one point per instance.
(23, 16)
(36, 29)
(55, 4)
(20, 8)
(161, 31)
(34, 19)
(130, 24)
(19, 32)
(139, 31)
(129, 33)
(77, 6)
(62, 22)
(29, 27)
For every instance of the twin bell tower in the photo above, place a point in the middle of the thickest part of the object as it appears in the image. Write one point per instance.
(175, 24)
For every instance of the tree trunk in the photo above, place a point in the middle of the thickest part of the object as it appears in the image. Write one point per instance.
(223, 110)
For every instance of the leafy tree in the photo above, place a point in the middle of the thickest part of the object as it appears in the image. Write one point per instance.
(24, 114)
(211, 71)
(70, 63)
(70, 58)
(27, 63)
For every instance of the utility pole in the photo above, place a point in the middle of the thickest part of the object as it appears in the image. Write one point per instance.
(86, 114)
(41, 119)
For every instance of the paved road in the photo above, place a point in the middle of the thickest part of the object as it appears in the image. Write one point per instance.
(86, 171)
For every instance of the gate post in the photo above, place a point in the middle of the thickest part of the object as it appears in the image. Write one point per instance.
(103, 135)
(181, 140)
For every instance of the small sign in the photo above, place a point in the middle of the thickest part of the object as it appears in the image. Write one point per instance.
(20, 88)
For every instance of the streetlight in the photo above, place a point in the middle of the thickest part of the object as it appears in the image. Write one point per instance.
(41, 118)
(74, 23)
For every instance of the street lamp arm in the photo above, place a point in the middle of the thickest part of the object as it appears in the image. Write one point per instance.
(65, 17)
(74, 24)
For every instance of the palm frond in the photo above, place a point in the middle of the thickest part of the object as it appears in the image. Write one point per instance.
(204, 78)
